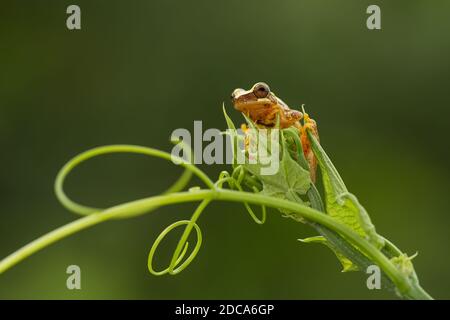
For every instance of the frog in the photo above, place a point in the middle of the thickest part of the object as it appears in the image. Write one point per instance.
(265, 109)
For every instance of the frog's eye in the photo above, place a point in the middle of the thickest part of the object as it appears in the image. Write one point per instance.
(261, 90)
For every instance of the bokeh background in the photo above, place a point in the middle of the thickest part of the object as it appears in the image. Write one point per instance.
(139, 69)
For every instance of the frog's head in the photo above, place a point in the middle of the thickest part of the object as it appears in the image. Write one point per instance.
(257, 98)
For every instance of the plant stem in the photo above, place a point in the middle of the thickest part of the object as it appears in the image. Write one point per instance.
(138, 207)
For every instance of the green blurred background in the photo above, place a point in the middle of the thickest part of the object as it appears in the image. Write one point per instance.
(139, 69)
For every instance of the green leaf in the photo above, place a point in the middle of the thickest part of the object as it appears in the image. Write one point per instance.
(341, 204)
(293, 181)
(230, 123)
(347, 265)
(233, 134)
(290, 181)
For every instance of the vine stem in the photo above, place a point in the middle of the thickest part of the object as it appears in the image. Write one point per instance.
(404, 286)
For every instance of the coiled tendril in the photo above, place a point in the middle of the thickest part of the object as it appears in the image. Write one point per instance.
(178, 261)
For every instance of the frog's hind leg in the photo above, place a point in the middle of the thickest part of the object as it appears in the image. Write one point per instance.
(311, 125)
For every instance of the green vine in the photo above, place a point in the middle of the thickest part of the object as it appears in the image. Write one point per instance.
(355, 246)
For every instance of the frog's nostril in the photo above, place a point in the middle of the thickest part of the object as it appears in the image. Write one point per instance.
(235, 93)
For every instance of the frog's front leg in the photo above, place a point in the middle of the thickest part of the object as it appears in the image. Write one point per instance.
(311, 125)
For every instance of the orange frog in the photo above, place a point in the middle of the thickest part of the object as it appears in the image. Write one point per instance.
(262, 106)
